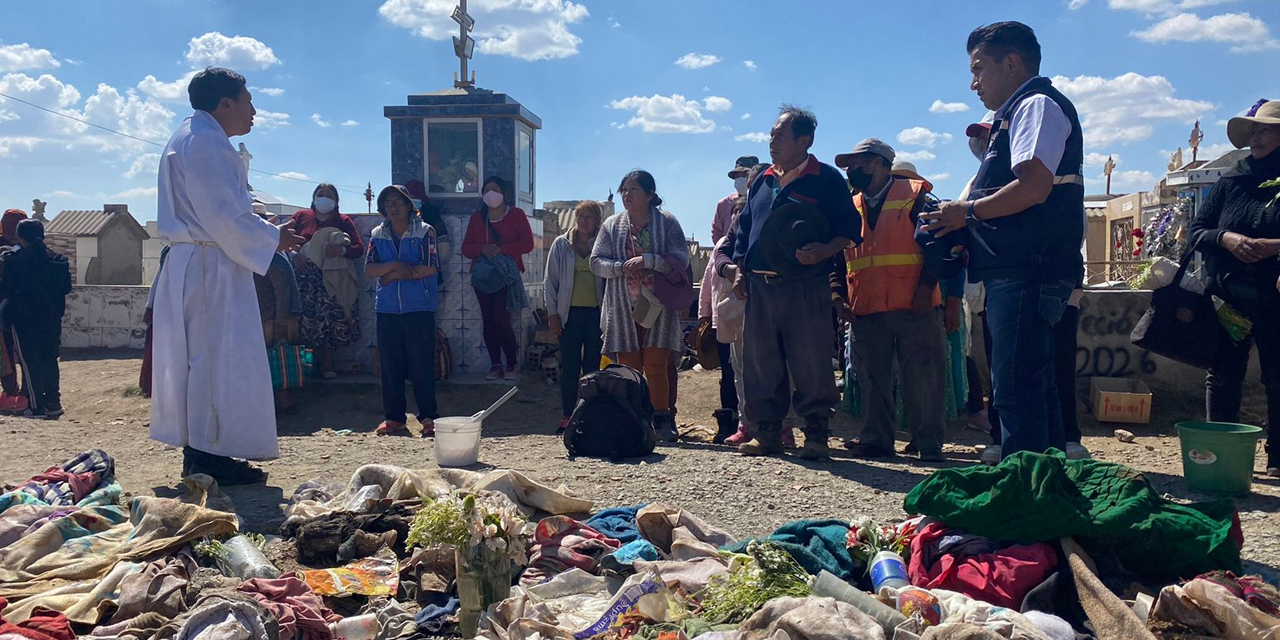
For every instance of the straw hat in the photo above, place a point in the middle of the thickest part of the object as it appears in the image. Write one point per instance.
(1240, 129)
(904, 169)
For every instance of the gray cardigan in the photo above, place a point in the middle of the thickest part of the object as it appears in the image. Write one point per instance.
(607, 259)
(558, 283)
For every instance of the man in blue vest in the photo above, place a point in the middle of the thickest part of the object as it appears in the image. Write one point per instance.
(1025, 221)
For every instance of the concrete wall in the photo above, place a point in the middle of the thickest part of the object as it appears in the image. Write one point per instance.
(1106, 320)
(105, 317)
(119, 257)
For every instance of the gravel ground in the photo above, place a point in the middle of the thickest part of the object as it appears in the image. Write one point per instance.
(742, 495)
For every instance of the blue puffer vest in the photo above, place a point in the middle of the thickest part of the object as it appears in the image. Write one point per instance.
(406, 296)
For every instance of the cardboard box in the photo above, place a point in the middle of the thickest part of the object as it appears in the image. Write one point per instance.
(1120, 400)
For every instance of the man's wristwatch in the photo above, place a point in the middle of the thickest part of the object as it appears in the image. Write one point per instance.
(971, 219)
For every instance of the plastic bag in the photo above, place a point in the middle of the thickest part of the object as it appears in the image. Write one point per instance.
(643, 596)
(377, 575)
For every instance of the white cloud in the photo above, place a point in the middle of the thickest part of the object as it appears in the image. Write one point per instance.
(1242, 30)
(292, 175)
(948, 107)
(758, 138)
(749, 64)
(1125, 109)
(746, 116)
(22, 57)
(11, 144)
(665, 114)
(717, 103)
(136, 193)
(1214, 150)
(240, 53)
(614, 24)
(8, 116)
(175, 92)
(525, 29)
(315, 117)
(60, 195)
(349, 123)
(922, 137)
(939, 177)
(74, 63)
(46, 91)
(1076, 4)
(697, 60)
(143, 164)
(1162, 7)
(274, 92)
(924, 155)
(1131, 180)
(1094, 159)
(267, 120)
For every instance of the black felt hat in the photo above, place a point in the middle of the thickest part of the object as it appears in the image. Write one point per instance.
(788, 229)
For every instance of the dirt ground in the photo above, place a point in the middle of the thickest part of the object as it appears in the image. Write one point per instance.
(745, 496)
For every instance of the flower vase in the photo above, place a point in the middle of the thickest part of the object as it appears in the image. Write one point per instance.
(484, 577)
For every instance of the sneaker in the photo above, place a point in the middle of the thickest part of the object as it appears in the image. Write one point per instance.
(991, 455)
(563, 426)
(495, 372)
(512, 373)
(14, 404)
(428, 427)
(1076, 451)
(54, 414)
(665, 426)
(742, 437)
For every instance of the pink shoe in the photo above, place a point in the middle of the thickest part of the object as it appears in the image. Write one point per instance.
(13, 404)
(788, 437)
(743, 436)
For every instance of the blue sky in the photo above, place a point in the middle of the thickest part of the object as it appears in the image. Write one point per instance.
(679, 88)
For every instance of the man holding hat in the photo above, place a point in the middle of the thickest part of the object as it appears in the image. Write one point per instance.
(1237, 230)
(798, 215)
(894, 303)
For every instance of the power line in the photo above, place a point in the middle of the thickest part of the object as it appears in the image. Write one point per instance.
(347, 188)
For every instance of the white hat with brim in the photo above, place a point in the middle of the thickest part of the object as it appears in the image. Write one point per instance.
(1240, 129)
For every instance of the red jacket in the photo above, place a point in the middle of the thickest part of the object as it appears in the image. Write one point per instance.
(515, 237)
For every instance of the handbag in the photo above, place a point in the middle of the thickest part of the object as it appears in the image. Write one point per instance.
(1180, 324)
(485, 276)
(290, 366)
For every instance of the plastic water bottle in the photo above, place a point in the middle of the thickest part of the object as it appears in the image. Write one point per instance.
(359, 502)
(888, 571)
(244, 560)
(363, 627)
(829, 586)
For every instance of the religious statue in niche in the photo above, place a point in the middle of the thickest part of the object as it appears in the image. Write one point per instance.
(1175, 160)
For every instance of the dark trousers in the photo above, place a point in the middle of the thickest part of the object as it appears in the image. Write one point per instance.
(976, 401)
(407, 351)
(788, 337)
(993, 414)
(1224, 384)
(499, 337)
(1064, 370)
(580, 345)
(37, 349)
(1021, 314)
(9, 383)
(728, 384)
(916, 342)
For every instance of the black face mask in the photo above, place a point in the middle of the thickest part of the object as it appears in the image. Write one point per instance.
(859, 179)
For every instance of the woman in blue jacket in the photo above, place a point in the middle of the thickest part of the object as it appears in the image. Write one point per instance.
(402, 257)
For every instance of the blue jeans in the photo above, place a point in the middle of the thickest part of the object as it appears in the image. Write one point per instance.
(1021, 315)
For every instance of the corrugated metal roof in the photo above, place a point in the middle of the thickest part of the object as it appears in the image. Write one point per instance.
(78, 223)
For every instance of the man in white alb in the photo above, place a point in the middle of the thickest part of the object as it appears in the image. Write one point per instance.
(211, 390)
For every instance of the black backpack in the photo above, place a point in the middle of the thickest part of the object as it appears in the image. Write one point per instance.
(614, 418)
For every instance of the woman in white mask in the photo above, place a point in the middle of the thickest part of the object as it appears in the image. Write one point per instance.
(330, 314)
(498, 236)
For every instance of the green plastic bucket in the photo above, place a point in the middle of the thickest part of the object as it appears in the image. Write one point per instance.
(1217, 457)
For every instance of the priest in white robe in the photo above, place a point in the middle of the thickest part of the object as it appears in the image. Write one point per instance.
(211, 386)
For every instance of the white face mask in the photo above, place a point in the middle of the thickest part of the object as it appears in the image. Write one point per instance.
(325, 205)
(740, 183)
(492, 199)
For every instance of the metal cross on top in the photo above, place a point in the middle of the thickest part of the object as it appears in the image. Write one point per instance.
(463, 45)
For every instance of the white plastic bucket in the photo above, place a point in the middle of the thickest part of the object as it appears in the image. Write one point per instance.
(457, 441)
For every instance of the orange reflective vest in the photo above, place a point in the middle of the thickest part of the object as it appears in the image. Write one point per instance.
(884, 271)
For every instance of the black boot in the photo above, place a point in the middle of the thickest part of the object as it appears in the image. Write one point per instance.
(665, 425)
(726, 424)
(227, 471)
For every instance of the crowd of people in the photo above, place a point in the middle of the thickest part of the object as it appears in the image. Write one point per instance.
(815, 266)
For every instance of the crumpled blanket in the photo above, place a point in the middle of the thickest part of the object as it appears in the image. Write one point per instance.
(1252, 589)
(1111, 618)
(811, 618)
(301, 613)
(340, 280)
(561, 543)
(660, 525)
(106, 494)
(618, 523)
(394, 622)
(1003, 577)
(43, 625)
(71, 482)
(817, 545)
(1032, 497)
(433, 619)
(131, 588)
(1209, 608)
(220, 616)
(87, 544)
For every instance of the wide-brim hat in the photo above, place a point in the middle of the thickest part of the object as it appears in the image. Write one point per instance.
(1240, 129)
(708, 351)
(904, 169)
(743, 166)
(788, 229)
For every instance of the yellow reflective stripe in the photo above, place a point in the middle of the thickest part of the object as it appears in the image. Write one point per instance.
(894, 205)
(887, 260)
